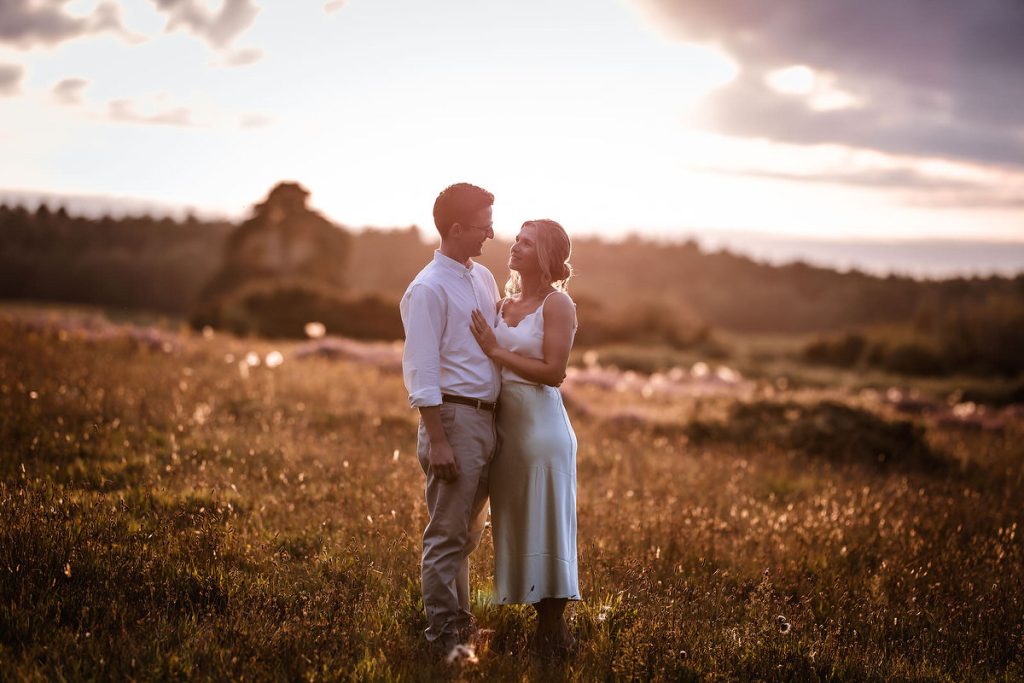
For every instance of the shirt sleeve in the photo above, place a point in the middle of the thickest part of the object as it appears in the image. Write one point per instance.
(423, 317)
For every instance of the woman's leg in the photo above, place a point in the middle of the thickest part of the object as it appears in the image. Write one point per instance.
(553, 636)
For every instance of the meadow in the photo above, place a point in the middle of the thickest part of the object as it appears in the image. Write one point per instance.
(183, 505)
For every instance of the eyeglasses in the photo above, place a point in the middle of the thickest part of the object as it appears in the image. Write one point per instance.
(484, 228)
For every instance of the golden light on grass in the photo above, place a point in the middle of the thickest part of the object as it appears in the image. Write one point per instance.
(293, 535)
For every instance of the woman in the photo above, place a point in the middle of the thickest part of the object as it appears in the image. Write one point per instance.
(533, 474)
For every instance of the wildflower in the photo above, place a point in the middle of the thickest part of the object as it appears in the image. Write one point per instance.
(201, 413)
(315, 330)
(727, 374)
(207, 332)
(274, 358)
(462, 654)
(784, 627)
(67, 569)
(252, 359)
(604, 613)
(965, 409)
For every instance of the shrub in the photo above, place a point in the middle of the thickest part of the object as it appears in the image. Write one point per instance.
(282, 309)
(844, 351)
(827, 429)
(908, 358)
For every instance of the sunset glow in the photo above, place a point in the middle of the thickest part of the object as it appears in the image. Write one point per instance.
(614, 116)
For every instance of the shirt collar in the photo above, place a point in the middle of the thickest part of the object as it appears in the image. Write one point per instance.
(451, 264)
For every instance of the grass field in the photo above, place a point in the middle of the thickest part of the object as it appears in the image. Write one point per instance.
(176, 505)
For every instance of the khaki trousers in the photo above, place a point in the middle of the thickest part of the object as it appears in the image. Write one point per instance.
(458, 513)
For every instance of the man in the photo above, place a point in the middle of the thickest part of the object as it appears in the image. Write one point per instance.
(455, 387)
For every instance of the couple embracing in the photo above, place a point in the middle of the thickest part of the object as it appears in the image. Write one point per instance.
(483, 372)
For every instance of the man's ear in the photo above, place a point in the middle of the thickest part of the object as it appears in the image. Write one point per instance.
(455, 230)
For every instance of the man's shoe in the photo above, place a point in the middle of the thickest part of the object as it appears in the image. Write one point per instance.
(468, 632)
(443, 645)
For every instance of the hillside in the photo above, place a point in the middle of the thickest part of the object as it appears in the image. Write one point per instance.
(162, 264)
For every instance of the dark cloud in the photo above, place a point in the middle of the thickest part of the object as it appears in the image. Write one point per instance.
(25, 23)
(915, 187)
(124, 110)
(935, 77)
(28, 23)
(10, 78)
(69, 90)
(218, 29)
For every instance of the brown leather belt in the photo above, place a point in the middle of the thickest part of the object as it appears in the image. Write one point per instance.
(475, 402)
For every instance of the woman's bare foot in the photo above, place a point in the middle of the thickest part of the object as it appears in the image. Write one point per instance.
(553, 639)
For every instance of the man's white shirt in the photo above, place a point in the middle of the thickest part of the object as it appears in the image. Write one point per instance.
(441, 355)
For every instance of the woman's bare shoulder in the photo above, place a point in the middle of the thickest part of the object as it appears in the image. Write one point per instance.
(559, 303)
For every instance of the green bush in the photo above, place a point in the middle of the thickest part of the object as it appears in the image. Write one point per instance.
(282, 309)
(649, 323)
(907, 358)
(828, 429)
(844, 351)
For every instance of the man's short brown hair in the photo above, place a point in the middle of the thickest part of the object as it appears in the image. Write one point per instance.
(457, 203)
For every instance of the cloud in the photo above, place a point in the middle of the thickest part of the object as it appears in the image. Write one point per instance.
(255, 121)
(26, 23)
(124, 111)
(244, 57)
(938, 78)
(69, 90)
(218, 29)
(10, 78)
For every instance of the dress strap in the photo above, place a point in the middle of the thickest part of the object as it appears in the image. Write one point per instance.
(575, 322)
(542, 303)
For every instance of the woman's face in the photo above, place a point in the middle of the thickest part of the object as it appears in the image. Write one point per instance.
(523, 256)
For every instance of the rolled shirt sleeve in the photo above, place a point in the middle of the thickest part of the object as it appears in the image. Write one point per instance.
(423, 317)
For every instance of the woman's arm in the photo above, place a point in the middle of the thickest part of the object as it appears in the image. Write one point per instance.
(559, 322)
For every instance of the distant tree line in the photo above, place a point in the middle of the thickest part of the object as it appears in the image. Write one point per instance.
(286, 265)
(979, 337)
(141, 262)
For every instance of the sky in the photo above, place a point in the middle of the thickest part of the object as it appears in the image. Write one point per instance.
(793, 119)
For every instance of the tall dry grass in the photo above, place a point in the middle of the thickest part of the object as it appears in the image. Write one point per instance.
(174, 507)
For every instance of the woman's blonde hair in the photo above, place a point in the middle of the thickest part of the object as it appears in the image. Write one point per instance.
(553, 251)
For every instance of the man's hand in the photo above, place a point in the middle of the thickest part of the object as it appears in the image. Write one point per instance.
(442, 460)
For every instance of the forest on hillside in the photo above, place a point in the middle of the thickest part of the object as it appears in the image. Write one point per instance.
(273, 272)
